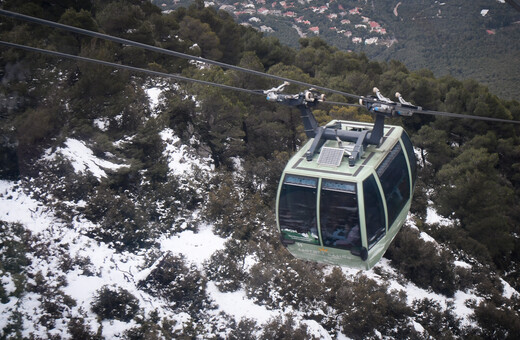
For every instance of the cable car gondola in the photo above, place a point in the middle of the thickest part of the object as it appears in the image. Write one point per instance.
(346, 193)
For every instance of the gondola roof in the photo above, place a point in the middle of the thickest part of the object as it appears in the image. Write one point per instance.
(372, 157)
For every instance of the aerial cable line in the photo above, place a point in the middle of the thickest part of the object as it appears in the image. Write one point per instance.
(514, 3)
(127, 67)
(460, 115)
(165, 51)
(227, 87)
(147, 71)
(207, 61)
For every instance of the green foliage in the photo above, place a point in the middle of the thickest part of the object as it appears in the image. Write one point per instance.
(115, 303)
(439, 323)
(245, 215)
(474, 192)
(35, 128)
(198, 32)
(227, 267)
(435, 143)
(423, 262)
(363, 305)
(497, 323)
(120, 222)
(285, 330)
(171, 279)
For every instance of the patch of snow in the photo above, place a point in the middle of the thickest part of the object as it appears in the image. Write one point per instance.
(238, 305)
(180, 160)
(197, 247)
(461, 309)
(113, 329)
(316, 330)
(102, 123)
(8, 283)
(418, 327)
(153, 94)
(250, 261)
(17, 207)
(427, 237)
(83, 159)
(432, 217)
(509, 291)
(462, 264)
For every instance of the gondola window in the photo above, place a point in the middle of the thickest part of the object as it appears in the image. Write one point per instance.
(339, 215)
(393, 174)
(374, 212)
(297, 209)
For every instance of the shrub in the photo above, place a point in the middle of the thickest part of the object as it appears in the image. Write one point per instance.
(285, 330)
(173, 280)
(365, 306)
(245, 330)
(226, 267)
(497, 323)
(294, 282)
(78, 330)
(115, 303)
(121, 222)
(439, 323)
(422, 262)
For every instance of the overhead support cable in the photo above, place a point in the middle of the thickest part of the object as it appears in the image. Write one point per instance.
(459, 115)
(392, 104)
(223, 86)
(167, 52)
(129, 68)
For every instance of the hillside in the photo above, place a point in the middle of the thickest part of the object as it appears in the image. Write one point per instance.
(138, 207)
(465, 39)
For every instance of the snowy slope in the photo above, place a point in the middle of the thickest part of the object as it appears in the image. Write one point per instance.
(106, 266)
(66, 267)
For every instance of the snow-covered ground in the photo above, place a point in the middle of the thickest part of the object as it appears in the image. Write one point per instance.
(109, 267)
(112, 268)
(124, 269)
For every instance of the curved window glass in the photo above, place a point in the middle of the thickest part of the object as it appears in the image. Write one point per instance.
(339, 215)
(411, 155)
(395, 180)
(297, 209)
(374, 212)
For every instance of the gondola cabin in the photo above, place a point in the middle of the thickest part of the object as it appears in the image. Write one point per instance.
(335, 211)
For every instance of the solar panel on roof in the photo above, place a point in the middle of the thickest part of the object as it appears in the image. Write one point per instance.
(330, 156)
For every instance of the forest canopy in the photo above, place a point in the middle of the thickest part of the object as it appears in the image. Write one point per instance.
(469, 169)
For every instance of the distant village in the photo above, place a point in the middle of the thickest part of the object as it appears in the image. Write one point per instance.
(306, 18)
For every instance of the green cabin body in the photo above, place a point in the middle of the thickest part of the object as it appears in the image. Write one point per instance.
(331, 212)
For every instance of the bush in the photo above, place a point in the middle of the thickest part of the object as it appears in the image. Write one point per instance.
(285, 330)
(423, 262)
(497, 323)
(14, 245)
(365, 306)
(294, 282)
(183, 286)
(79, 330)
(121, 222)
(245, 330)
(438, 323)
(115, 303)
(226, 267)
